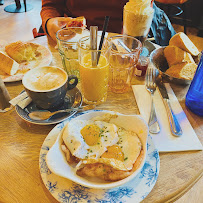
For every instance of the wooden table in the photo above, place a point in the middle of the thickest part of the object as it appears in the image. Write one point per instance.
(20, 144)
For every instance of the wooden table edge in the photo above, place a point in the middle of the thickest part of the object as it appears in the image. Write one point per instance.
(177, 195)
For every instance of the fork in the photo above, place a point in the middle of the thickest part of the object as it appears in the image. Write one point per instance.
(151, 87)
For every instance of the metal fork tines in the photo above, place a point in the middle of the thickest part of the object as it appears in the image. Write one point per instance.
(150, 83)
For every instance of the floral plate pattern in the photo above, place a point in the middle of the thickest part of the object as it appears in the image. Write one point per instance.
(66, 191)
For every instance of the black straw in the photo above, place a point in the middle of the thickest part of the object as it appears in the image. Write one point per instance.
(106, 22)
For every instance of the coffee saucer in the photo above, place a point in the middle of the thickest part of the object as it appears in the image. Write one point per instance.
(73, 98)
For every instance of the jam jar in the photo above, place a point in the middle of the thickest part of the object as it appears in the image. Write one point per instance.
(141, 67)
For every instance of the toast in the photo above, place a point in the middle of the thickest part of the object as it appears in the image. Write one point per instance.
(77, 24)
(8, 65)
(182, 41)
(183, 70)
(175, 55)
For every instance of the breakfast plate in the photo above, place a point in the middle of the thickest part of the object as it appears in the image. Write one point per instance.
(65, 190)
(73, 99)
(124, 135)
(44, 59)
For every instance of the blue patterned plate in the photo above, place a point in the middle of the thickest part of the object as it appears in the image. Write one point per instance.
(65, 190)
(73, 98)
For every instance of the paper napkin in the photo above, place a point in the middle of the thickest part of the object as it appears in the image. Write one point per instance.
(22, 100)
(165, 141)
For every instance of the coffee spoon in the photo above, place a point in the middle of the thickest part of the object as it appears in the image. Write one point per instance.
(45, 114)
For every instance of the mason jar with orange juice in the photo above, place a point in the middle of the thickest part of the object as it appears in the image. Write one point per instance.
(93, 79)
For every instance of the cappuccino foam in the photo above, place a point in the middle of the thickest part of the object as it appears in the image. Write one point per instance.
(45, 79)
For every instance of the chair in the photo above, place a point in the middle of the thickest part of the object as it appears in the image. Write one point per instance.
(36, 33)
(177, 5)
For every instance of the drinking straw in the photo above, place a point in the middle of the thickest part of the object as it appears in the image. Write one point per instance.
(93, 44)
(106, 21)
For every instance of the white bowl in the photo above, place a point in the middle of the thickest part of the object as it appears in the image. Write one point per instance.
(57, 163)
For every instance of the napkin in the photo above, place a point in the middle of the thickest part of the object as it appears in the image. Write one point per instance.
(22, 100)
(164, 140)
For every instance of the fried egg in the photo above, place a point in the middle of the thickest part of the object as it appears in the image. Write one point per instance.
(122, 155)
(89, 139)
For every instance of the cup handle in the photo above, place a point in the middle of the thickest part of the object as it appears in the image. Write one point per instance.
(72, 77)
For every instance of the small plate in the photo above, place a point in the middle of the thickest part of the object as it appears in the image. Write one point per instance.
(42, 60)
(73, 99)
(65, 190)
(147, 49)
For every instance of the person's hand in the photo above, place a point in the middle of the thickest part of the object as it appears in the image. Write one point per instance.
(55, 24)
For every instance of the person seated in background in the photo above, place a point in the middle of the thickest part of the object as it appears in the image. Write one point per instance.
(54, 13)
(93, 11)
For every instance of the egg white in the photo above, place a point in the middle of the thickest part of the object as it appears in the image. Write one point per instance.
(79, 148)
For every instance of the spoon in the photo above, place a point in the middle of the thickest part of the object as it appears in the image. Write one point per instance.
(45, 114)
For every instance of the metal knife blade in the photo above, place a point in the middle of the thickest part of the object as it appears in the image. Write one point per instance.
(162, 90)
(175, 126)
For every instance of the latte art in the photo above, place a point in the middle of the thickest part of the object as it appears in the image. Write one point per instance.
(47, 86)
(45, 79)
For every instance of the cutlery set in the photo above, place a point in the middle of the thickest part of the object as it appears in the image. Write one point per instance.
(151, 83)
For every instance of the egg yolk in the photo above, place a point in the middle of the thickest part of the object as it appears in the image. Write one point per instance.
(91, 134)
(114, 152)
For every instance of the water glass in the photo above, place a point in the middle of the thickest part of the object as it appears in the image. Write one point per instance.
(94, 79)
(124, 55)
(67, 41)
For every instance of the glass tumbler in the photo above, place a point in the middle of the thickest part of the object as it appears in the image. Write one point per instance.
(94, 78)
(137, 19)
(194, 97)
(67, 41)
(124, 55)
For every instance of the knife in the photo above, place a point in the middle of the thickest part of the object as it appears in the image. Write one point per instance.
(175, 126)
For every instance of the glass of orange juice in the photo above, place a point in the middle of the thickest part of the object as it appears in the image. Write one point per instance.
(94, 79)
(124, 55)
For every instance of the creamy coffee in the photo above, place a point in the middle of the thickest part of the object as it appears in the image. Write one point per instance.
(44, 78)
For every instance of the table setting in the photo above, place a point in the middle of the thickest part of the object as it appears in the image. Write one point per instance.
(93, 118)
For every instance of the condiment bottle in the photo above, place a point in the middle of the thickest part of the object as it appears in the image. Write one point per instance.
(194, 97)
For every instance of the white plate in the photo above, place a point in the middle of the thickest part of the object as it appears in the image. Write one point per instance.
(58, 164)
(42, 60)
(65, 190)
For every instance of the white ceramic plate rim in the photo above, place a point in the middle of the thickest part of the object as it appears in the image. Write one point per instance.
(53, 163)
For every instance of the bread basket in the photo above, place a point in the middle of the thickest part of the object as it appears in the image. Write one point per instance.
(159, 61)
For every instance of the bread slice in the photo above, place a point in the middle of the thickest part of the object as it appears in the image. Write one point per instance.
(183, 70)
(77, 24)
(8, 65)
(176, 55)
(22, 51)
(182, 41)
